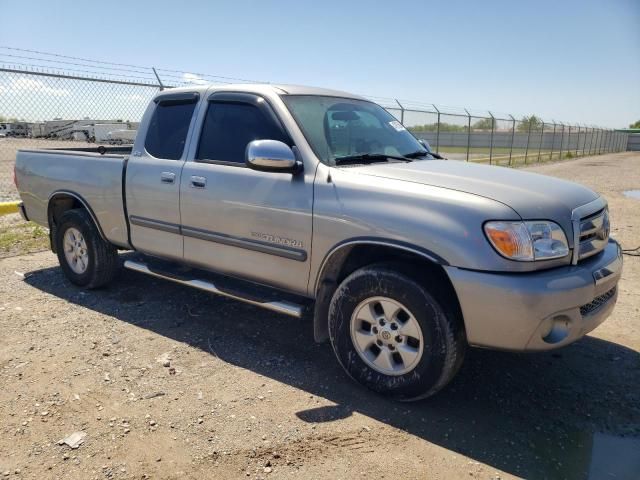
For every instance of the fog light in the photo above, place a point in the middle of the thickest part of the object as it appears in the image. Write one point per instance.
(556, 329)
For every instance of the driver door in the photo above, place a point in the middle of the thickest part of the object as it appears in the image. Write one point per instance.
(239, 221)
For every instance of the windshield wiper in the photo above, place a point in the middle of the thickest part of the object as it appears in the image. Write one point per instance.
(369, 158)
(423, 153)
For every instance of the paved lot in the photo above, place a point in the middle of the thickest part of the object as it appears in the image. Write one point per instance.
(247, 393)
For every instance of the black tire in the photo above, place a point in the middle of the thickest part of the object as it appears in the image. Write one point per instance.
(442, 331)
(103, 259)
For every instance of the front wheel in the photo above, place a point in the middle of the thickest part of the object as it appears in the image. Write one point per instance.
(85, 258)
(391, 335)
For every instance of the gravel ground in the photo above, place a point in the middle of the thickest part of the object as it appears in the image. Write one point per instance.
(168, 382)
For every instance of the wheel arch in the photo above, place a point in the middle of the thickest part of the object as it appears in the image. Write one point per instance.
(348, 256)
(61, 201)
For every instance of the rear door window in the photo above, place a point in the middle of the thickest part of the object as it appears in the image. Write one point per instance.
(168, 128)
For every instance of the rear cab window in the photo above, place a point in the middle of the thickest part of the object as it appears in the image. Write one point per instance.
(169, 125)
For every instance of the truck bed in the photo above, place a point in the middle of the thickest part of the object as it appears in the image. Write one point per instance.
(93, 176)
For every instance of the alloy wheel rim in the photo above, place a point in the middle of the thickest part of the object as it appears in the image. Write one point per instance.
(75, 250)
(386, 336)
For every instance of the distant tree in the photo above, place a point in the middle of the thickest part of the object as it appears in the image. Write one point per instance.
(535, 122)
(483, 124)
(635, 125)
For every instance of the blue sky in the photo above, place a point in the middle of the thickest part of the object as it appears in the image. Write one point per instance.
(576, 61)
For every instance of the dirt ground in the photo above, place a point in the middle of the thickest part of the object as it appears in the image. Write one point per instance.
(169, 382)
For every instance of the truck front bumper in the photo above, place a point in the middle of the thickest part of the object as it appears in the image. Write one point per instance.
(538, 310)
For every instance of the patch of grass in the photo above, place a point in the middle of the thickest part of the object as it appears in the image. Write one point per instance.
(18, 237)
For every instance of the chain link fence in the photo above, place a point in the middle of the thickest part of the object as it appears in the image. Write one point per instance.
(43, 109)
(506, 141)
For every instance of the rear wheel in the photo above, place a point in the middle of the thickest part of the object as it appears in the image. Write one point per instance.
(85, 258)
(392, 335)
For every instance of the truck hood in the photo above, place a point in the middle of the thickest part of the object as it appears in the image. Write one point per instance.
(531, 195)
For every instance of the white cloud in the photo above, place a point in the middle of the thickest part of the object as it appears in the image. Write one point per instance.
(193, 79)
(133, 98)
(21, 85)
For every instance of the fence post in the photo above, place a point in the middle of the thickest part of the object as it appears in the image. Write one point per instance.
(578, 140)
(561, 141)
(401, 111)
(610, 140)
(540, 144)
(553, 141)
(468, 132)
(526, 150)
(493, 127)
(569, 140)
(437, 130)
(598, 141)
(158, 77)
(584, 144)
(513, 137)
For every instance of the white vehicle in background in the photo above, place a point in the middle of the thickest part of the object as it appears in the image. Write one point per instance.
(101, 131)
(119, 137)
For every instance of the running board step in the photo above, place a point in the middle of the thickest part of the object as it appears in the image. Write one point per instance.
(218, 284)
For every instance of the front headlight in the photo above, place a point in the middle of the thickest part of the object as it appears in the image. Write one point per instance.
(527, 241)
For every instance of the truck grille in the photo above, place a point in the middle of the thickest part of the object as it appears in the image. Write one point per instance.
(594, 234)
(597, 302)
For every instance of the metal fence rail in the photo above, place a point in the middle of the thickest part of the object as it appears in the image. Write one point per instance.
(43, 109)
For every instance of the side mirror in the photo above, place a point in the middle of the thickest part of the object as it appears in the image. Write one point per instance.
(271, 156)
(426, 145)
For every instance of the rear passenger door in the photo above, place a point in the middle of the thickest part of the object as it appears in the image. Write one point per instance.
(153, 175)
(237, 220)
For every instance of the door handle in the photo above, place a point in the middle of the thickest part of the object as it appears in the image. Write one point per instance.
(167, 177)
(198, 182)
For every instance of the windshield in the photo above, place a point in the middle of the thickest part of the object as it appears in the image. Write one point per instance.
(343, 127)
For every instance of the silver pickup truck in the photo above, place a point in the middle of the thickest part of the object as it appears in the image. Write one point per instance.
(301, 199)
